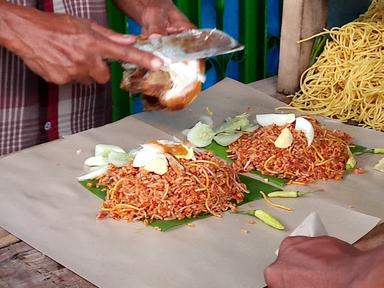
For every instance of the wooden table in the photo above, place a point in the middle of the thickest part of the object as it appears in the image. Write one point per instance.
(23, 266)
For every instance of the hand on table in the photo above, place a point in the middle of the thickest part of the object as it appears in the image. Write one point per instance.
(324, 262)
(63, 49)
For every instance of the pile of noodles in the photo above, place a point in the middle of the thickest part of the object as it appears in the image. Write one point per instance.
(347, 80)
(204, 185)
(324, 159)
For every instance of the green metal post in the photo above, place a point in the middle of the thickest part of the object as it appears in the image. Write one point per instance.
(120, 99)
(252, 32)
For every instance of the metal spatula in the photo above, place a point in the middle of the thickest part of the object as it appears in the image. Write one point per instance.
(190, 45)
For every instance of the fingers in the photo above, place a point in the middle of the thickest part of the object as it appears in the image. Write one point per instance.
(155, 21)
(100, 73)
(178, 22)
(113, 36)
(292, 241)
(115, 51)
(272, 279)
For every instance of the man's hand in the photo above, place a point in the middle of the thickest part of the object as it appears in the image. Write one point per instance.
(324, 262)
(155, 17)
(64, 49)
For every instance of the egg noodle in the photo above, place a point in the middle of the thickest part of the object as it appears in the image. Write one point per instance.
(192, 187)
(347, 80)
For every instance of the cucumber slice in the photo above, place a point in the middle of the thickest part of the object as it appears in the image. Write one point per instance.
(234, 124)
(250, 128)
(201, 135)
(224, 139)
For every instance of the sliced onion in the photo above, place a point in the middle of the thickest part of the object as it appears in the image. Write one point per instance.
(119, 159)
(104, 149)
(306, 127)
(277, 119)
(96, 161)
(93, 174)
(380, 165)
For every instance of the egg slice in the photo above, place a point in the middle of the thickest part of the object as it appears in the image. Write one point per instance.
(158, 165)
(306, 127)
(146, 154)
(285, 139)
(277, 119)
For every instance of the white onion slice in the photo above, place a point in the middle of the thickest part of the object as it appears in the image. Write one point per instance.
(380, 165)
(119, 159)
(96, 161)
(93, 174)
(306, 127)
(277, 119)
(104, 149)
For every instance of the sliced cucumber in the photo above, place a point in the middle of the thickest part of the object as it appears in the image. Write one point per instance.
(234, 124)
(201, 135)
(225, 139)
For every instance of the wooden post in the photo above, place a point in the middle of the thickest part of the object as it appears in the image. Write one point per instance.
(301, 19)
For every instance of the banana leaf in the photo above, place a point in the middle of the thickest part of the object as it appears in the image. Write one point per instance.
(221, 151)
(254, 186)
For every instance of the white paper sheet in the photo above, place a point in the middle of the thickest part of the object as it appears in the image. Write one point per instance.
(42, 204)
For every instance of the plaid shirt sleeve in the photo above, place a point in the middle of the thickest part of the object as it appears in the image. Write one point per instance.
(33, 111)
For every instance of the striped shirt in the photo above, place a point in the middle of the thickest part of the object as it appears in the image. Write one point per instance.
(33, 111)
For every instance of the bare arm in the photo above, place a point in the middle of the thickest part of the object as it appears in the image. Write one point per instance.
(64, 49)
(155, 16)
(325, 262)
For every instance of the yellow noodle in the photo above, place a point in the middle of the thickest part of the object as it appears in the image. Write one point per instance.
(347, 80)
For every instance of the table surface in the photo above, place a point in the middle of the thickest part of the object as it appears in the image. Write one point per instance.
(23, 266)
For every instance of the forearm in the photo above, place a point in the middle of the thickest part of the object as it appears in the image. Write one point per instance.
(134, 8)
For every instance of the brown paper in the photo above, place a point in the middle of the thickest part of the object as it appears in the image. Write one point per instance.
(42, 203)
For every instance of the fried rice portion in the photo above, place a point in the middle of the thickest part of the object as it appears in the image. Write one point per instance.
(204, 185)
(324, 159)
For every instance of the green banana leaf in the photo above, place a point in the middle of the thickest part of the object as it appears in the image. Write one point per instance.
(254, 186)
(221, 151)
